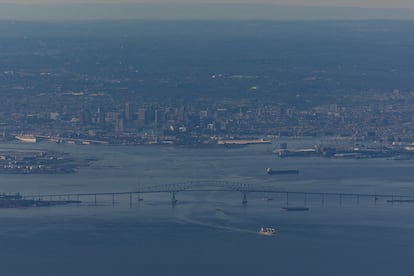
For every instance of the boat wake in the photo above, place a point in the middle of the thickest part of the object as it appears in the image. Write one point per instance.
(217, 224)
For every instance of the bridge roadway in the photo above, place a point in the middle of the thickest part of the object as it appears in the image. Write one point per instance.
(223, 186)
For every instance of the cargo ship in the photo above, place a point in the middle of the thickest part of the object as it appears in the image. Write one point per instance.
(242, 141)
(271, 171)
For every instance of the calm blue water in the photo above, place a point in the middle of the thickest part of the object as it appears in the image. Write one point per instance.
(209, 233)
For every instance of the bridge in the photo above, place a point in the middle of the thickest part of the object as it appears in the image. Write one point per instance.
(225, 186)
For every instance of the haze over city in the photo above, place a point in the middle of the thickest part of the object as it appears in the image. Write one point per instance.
(206, 138)
(347, 3)
(206, 10)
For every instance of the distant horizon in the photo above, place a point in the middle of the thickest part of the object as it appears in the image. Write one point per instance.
(194, 11)
(400, 4)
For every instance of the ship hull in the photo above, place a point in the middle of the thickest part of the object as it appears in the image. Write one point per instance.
(270, 171)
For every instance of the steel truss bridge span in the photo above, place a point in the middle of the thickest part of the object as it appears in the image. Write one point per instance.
(224, 186)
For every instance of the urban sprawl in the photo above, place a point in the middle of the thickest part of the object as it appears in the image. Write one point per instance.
(104, 118)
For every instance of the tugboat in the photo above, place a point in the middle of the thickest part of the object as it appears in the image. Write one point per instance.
(267, 198)
(267, 231)
(294, 208)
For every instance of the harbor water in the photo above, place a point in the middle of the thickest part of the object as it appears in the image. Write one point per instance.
(210, 232)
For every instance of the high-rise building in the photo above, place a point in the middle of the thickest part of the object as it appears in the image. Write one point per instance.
(142, 117)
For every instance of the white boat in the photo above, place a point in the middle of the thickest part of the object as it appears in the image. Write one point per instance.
(267, 231)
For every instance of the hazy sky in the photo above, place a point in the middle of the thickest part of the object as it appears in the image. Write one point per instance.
(206, 9)
(345, 3)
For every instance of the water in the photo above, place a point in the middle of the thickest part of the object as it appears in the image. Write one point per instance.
(209, 233)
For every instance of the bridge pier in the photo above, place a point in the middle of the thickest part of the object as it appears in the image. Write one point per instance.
(244, 200)
(173, 199)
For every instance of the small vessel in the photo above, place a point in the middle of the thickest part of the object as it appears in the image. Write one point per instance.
(295, 209)
(267, 231)
(271, 171)
(267, 198)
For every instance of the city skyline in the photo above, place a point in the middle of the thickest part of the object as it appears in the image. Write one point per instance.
(206, 139)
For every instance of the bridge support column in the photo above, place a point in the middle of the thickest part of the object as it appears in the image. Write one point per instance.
(173, 199)
(244, 201)
(130, 200)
